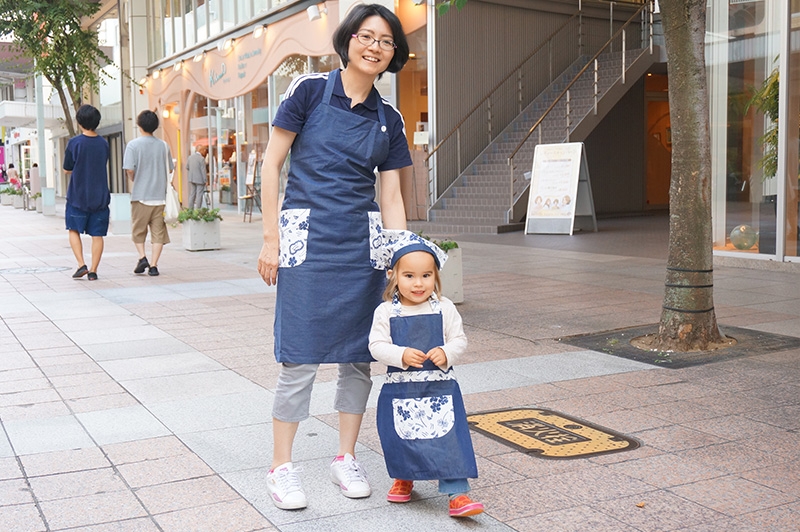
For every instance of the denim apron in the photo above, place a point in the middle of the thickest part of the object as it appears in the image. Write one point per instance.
(329, 281)
(422, 422)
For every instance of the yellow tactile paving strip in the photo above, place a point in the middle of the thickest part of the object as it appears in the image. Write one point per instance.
(549, 434)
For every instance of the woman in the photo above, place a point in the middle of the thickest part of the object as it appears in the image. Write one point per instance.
(326, 239)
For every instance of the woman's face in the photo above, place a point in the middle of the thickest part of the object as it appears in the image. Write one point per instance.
(372, 59)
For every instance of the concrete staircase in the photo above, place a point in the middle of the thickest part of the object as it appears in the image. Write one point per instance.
(478, 201)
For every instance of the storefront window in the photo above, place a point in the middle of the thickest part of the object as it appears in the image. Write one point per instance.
(793, 141)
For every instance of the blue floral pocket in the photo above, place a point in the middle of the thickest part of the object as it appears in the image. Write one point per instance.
(423, 418)
(379, 254)
(293, 225)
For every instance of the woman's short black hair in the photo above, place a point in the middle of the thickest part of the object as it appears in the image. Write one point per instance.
(88, 117)
(351, 24)
(147, 120)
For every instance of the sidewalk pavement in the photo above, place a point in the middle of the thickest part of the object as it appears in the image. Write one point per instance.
(139, 403)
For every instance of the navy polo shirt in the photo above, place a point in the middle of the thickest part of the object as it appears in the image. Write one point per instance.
(87, 158)
(305, 94)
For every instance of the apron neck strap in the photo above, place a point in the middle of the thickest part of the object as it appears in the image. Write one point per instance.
(333, 75)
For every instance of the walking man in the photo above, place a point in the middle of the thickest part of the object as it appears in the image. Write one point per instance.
(196, 165)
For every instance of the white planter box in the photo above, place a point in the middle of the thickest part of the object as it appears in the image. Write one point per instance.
(19, 202)
(7, 199)
(452, 279)
(199, 236)
(39, 204)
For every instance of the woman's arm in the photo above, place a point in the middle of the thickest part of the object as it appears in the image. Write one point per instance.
(278, 148)
(393, 212)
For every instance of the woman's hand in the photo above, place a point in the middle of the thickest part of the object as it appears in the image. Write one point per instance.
(414, 357)
(268, 263)
(438, 357)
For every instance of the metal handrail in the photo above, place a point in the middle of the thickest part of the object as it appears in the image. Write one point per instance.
(566, 90)
(574, 80)
(500, 84)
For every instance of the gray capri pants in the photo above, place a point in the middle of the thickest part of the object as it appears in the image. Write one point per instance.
(293, 391)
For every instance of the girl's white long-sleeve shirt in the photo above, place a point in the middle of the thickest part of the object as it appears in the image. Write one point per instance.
(384, 350)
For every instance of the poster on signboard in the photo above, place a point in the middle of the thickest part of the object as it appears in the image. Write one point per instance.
(560, 196)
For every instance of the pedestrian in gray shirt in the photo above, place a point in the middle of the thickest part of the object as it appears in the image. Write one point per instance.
(148, 162)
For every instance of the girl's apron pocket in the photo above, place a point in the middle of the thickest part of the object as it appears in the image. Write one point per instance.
(423, 418)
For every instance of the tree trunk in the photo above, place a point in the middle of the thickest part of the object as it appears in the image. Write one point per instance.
(68, 112)
(688, 321)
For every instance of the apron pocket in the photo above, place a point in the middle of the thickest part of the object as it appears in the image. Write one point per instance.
(293, 224)
(423, 418)
(379, 255)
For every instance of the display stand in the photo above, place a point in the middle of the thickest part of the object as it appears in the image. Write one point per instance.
(560, 196)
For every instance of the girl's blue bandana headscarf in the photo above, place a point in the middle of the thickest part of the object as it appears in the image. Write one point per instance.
(398, 243)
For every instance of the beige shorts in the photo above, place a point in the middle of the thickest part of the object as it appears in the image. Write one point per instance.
(144, 216)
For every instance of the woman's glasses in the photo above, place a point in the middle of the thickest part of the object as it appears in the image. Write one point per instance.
(366, 40)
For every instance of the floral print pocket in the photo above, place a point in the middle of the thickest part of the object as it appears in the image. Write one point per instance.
(293, 225)
(379, 254)
(423, 418)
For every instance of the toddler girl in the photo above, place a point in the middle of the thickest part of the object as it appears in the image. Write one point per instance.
(422, 423)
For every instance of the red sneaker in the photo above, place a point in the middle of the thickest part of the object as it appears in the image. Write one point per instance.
(400, 491)
(463, 506)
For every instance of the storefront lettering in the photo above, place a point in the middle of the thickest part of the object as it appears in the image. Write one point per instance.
(213, 77)
(243, 57)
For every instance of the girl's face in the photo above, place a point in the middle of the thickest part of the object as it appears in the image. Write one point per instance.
(416, 277)
(371, 59)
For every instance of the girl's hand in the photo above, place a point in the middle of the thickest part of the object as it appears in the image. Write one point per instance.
(438, 357)
(268, 263)
(414, 357)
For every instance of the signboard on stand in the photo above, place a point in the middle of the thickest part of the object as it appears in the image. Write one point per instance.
(560, 196)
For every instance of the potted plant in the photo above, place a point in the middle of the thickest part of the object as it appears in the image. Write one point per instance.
(201, 228)
(37, 198)
(6, 196)
(451, 274)
(17, 198)
(225, 194)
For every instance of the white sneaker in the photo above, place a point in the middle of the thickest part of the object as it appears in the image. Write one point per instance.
(285, 489)
(346, 472)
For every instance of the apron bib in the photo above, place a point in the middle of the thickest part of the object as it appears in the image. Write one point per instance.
(329, 283)
(422, 422)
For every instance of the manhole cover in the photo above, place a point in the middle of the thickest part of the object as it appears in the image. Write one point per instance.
(41, 269)
(549, 434)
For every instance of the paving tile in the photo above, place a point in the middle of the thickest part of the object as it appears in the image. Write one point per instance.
(574, 519)
(598, 483)
(231, 515)
(21, 517)
(526, 498)
(63, 461)
(92, 509)
(162, 470)
(142, 524)
(732, 496)
(9, 468)
(733, 457)
(657, 510)
(143, 450)
(101, 402)
(31, 436)
(159, 365)
(136, 348)
(15, 491)
(185, 494)
(177, 387)
(667, 470)
(122, 424)
(210, 413)
(76, 484)
(674, 438)
(34, 411)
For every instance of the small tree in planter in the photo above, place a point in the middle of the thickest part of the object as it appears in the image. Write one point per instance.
(451, 274)
(201, 230)
(17, 197)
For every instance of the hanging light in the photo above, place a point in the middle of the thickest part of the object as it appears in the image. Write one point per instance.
(258, 32)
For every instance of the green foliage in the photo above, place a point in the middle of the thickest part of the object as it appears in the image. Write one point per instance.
(36, 196)
(199, 215)
(765, 99)
(50, 32)
(446, 244)
(444, 6)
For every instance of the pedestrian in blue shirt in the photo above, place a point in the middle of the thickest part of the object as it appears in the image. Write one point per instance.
(321, 248)
(86, 164)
